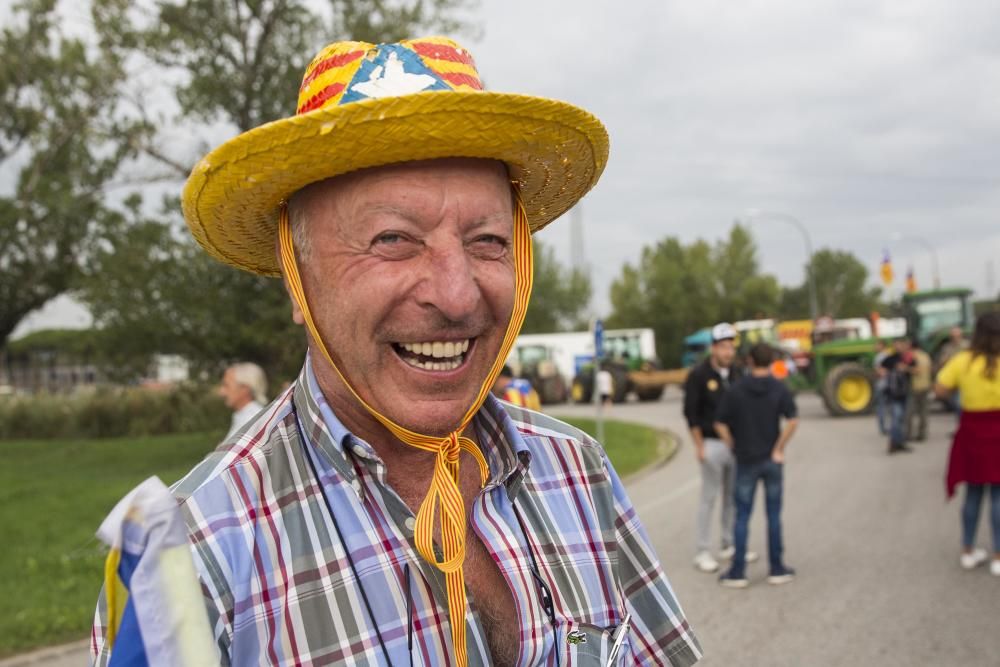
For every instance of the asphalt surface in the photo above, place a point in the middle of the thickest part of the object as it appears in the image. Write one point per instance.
(873, 540)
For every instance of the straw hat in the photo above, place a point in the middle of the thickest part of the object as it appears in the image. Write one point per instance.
(365, 105)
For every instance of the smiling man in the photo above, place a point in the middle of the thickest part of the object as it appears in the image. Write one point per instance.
(386, 509)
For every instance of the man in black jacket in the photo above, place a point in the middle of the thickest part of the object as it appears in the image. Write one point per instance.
(749, 420)
(704, 388)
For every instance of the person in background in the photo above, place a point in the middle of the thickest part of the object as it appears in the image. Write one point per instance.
(955, 344)
(605, 385)
(749, 421)
(881, 414)
(516, 391)
(920, 389)
(244, 390)
(975, 451)
(706, 384)
(897, 369)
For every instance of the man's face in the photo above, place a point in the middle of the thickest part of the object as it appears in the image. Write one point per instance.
(723, 352)
(234, 394)
(410, 279)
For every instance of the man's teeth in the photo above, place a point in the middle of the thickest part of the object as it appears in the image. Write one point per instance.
(437, 349)
(447, 355)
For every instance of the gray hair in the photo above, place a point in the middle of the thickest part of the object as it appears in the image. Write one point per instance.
(298, 220)
(253, 378)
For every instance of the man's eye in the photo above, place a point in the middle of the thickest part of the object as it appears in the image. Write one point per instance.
(389, 238)
(490, 245)
(395, 245)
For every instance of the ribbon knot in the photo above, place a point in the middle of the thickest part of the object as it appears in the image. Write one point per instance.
(444, 498)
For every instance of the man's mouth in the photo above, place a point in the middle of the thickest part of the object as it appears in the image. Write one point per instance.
(434, 355)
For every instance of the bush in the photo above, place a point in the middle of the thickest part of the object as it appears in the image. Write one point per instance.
(112, 412)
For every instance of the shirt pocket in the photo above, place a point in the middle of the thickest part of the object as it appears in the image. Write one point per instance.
(586, 645)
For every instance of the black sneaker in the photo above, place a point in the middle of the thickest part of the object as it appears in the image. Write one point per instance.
(731, 580)
(782, 575)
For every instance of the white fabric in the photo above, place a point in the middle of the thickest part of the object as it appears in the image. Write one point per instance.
(605, 383)
(242, 416)
(164, 588)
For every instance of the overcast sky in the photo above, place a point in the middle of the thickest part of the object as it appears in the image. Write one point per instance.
(863, 119)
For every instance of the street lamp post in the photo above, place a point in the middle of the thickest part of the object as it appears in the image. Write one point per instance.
(754, 214)
(931, 250)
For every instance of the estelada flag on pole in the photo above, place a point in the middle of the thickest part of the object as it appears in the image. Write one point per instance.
(155, 610)
(886, 269)
(911, 281)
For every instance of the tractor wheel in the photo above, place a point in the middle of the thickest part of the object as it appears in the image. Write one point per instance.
(849, 389)
(582, 389)
(552, 390)
(620, 385)
(650, 394)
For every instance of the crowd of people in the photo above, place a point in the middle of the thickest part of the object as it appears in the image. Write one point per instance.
(740, 419)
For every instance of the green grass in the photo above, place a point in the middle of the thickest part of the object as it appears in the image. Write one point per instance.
(53, 496)
(629, 446)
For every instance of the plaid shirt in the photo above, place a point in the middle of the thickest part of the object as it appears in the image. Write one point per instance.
(280, 591)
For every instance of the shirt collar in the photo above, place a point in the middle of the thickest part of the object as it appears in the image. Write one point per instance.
(506, 451)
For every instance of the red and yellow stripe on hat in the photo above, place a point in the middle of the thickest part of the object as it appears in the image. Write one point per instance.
(346, 72)
(444, 499)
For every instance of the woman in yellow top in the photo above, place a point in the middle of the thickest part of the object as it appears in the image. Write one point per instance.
(975, 452)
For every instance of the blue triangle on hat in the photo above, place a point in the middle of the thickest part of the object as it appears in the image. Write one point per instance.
(395, 70)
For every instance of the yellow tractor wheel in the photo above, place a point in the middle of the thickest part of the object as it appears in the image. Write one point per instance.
(849, 389)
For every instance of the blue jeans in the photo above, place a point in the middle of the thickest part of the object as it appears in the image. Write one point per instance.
(970, 513)
(747, 475)
(881, 411)
(897, 427)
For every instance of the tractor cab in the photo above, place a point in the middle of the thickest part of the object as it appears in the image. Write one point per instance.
(931, 314)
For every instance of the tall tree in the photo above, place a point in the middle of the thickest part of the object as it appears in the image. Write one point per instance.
(744, 293)
(560, 297)
(677, 289)
(842, 288)
(62, 134)
(240, 63)
(672, 290)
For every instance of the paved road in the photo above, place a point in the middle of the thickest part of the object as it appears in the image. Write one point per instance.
(874, 543)
(872, 538)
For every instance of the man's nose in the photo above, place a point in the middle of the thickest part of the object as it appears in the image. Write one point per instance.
(450, 284)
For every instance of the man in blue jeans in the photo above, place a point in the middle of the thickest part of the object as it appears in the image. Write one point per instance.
(749, 421)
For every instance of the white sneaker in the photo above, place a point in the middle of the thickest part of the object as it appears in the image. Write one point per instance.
(704, 562)
(995, 567)
(730, 551)
(974, 559)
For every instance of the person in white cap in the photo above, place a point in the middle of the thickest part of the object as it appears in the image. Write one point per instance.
(703, 391)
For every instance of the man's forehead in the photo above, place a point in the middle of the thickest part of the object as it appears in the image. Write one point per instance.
(385, 186)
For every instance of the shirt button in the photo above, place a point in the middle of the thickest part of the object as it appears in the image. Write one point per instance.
(360, 451)
(356, 485)
(410, 523)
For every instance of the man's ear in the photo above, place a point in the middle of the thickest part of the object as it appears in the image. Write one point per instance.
(297, 315)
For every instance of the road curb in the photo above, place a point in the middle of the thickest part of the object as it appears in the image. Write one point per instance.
(667, 446)
(45, 655)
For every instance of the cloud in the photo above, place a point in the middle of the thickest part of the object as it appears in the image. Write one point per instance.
(862, 119)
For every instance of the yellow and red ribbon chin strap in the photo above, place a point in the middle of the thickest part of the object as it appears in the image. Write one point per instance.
(444, 497)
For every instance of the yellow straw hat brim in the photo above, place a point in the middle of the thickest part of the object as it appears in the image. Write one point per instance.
(555, 151)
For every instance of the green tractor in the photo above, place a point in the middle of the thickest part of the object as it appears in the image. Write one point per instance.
(842, 371)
